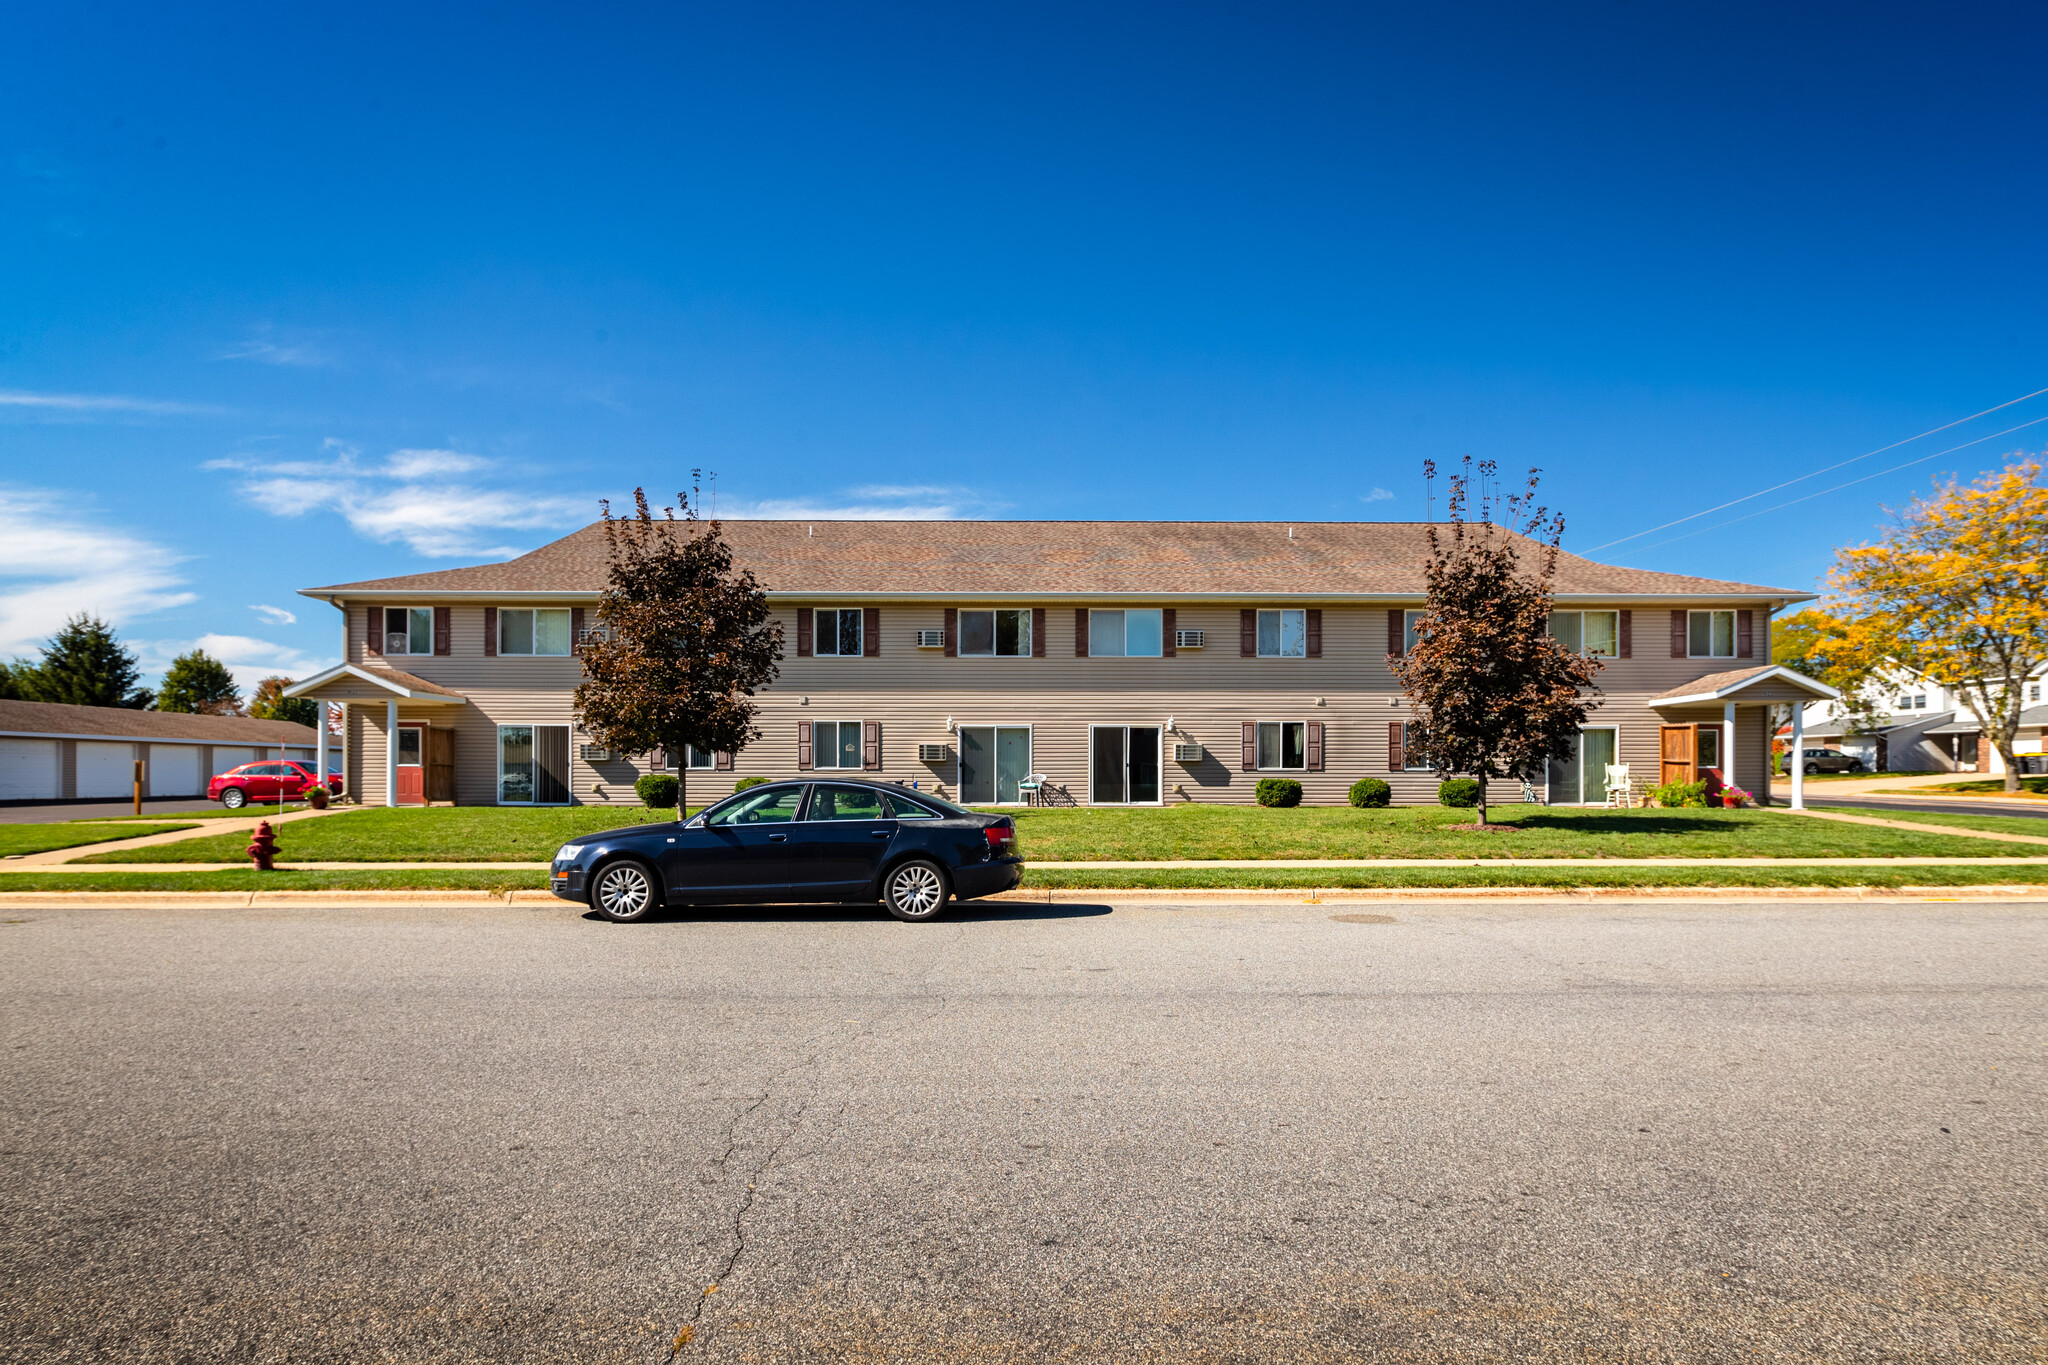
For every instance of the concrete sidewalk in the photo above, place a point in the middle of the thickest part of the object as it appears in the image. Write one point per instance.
(206, 829)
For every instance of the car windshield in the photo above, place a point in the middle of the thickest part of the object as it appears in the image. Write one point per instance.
(764, 806)
(941, 805)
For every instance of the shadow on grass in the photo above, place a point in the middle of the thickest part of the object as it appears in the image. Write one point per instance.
(1623, 822)
(971, 912)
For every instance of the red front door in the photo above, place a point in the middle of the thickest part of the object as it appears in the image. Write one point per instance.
(412, 772)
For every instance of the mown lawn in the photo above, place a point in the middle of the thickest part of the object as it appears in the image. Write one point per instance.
(1998, 824)
(1988, 787)
(16, 840)
(488, 834)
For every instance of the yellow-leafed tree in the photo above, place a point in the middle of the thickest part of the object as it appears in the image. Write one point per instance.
(1956, 591)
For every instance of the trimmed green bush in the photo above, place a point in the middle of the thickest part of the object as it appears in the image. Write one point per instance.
(659, 790)
(747, 782)
(1278, 791)
(1368, 792)
(1673, 795)
(1459, 792)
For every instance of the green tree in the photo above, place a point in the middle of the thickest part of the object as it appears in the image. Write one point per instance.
(684, 643)
(200, 684)
(10, 686)
(83, 665)
(1492, 693)
(270, 703)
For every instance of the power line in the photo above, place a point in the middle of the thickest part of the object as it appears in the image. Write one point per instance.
(1818, 472)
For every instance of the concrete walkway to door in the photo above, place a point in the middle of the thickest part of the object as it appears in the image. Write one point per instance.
(205, 829)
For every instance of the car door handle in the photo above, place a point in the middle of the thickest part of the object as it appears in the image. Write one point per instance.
(777, 838)
(879, 833)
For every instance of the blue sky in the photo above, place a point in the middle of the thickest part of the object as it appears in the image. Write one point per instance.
(292, 296)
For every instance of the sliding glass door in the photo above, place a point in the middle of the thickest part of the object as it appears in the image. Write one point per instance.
(533, 765)
(1581, 779)
(993, 760)
(1123, 765)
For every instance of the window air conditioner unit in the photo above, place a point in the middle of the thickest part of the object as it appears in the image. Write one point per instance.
(596, 753)
(395, 642)
(934, 753)
(1187, 639)
(1187, 753)
(931, 639)
(589, 633)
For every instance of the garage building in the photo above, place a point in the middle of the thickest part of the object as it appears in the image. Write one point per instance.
(50, 752)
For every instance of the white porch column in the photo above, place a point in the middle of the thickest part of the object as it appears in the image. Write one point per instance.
(1795, 760)
(391, 752)
(1728, 745)
(320, 743)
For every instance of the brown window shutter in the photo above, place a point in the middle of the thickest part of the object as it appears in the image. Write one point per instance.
(803, 632)
(373, 621)
(1745, 635)
(724, 760)
(1037, 633)
(1247, 634)
(1080, 632)
(490, 632)
(443, 629)
(803, 743)
(952, 632)
(575, 630)
(1678, 635)
(1627, 632)
(1315, 746)
(1166, 619)
(1397, 633)
(871, 745)
(1315, 632)
(1397, 746)
(1250, 756)
(871, 632)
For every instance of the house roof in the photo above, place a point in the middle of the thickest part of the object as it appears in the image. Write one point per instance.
(395, 681)
(1732, 684)
(1052, 558)
(54, 719)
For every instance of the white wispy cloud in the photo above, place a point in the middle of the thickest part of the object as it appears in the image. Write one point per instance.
(101, 402)
(269, 346)
(1377, 495)
(276, 616)
(441, 503)
(59, 557)
(249, 658)
(875, 502)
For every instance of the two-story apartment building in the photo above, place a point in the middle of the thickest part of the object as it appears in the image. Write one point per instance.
(1107, 663)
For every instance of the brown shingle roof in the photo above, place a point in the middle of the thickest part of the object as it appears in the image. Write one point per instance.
(1044, 558)
(51, 718)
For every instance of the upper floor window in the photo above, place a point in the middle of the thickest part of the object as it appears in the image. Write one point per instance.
(1001, 634)
(1283, 744)
(1411, 623)
(1710, 634)
(1283, 634)
(1587, 632)
(408, 630)
(1133, 633)
(533, 630)
(2034, 692)
(837, 632)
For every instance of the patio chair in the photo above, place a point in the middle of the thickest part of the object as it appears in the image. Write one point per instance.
(1030, 786)
(1621, 789)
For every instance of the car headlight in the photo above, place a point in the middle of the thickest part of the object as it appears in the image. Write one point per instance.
(567, 851)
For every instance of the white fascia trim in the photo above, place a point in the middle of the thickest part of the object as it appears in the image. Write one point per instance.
(1822, 692)
(1693, 601)
(389, 685)
(151, 739)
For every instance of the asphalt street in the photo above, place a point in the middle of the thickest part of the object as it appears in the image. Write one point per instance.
(1904, 806)
(1390, 1132)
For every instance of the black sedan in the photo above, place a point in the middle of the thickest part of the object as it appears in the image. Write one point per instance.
(797, 841)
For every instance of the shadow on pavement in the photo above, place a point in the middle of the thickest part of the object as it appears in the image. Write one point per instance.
(973, 912)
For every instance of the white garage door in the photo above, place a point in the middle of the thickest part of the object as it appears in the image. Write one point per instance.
(174, 770)
(225, 758)
(28, 770)
(105, 769)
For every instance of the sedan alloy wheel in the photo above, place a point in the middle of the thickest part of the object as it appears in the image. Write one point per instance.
(625, 892)
(916, 890)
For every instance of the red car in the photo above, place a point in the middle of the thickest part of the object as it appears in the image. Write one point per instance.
(261, 783)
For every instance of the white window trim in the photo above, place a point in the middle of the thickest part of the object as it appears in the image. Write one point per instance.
(960, 632)
(1262, 768)
(1126, 611)
(1156, 728)
(570, 632)
(859, 615)
(1734, 629)
(1616, 614)
(859, 726)
(1282, 612)
(404, 726)
(498, 739)
(1029, 729)
(1582, 801)
(384, 635)
(1410, 633)
(1406, 765)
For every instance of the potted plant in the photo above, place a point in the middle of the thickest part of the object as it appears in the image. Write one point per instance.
(1734, 798)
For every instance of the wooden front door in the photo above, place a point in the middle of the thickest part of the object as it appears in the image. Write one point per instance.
(440, 765)
(412, 772)
(1678, 754)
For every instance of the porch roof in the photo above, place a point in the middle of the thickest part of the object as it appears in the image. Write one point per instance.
(345, 682)
(1756, 684)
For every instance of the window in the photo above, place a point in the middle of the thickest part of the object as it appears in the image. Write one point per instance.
(1283, 744)
(1004, 634)
(1711, 634)
(1710, 747)
(1124, 634)
(533, 630)
(1410, 620)
(994, 759)
(533, 765)
(1409, 763)
(846, 803)
(837, 633)
(408, 630)
(1919, 701)
(409, 746)
(1588, 632)
(1581, 777)
(762, 806)
(1905, 701)
(2034, 692)
(1283, 635)
(835, 744)
(903, 808)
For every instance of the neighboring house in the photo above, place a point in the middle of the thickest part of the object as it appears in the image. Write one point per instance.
(51, 752)
(1128, 663)
(1929, 728)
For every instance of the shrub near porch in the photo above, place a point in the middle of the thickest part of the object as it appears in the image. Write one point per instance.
(488, 834)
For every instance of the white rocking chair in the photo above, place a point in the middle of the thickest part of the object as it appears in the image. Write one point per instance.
(1621, 789)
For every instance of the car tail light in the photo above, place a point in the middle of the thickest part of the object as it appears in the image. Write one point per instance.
(1000, 835)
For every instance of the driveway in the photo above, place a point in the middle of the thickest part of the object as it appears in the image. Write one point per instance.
(100, 810)
(1478, 1132)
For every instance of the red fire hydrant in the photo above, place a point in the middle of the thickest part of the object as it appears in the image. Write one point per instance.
(262, 846)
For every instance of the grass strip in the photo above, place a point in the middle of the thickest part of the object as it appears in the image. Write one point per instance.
(16, 840)
(1987, 787)
(1996, 824)
(222, 813)
(248, 879)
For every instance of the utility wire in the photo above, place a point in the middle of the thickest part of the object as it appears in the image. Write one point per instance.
(1818, 472)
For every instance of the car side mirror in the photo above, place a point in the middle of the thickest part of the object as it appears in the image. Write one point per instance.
(694, 822)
